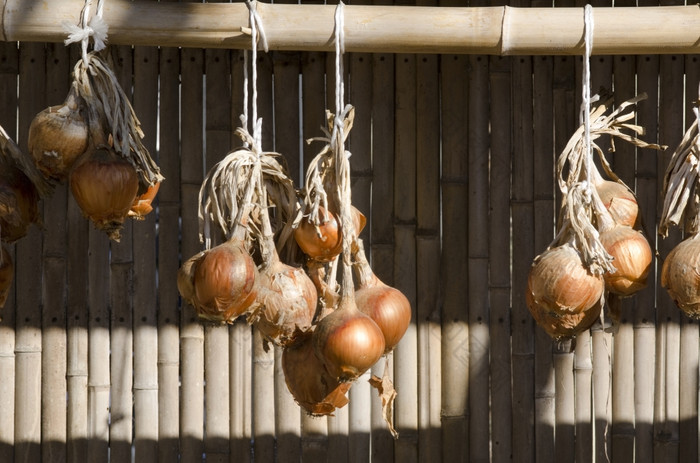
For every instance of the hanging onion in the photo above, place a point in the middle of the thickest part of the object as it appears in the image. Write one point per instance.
(559, 282)
(387, 306)
(7, 273)
(619, 201)
(58, 135)
(18, 203)
(220, 283)
(559, 324)
(105, 185)
(632, 259)
(680, 275)
(323, 242)
(142, 205)
(312, 387)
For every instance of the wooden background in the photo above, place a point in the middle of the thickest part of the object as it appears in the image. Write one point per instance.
(452, 160)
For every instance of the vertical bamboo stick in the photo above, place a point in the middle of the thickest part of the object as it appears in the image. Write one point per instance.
(544, 207)
(647, 193)
(286, 142)
(688, 376)
(583, 369)
(564, 445)
(8, 119)
(314, 431)
(240, 334)
(216, 346)
(479, 339)
(145, 322)
(121, 398)
(427, 315)
(602, 391)
(168, 203)
(191, 329)
(405, 174)
(54, 343)
(623, 402)
(499, 260)
(28, 336)
(77, 318)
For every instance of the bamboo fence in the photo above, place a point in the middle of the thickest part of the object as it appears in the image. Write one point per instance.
(453, 159)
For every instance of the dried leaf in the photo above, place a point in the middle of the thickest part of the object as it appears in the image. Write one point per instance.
(387, 393)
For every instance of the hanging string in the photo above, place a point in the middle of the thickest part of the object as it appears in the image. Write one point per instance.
(256, 31)
(339, 51)
(95, 28)
(586, 84)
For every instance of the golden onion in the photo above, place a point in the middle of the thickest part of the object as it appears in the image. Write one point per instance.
(631, 257)
(620, 202)
(142, 205)
(562, 325)
(680, 275)
(19, 200)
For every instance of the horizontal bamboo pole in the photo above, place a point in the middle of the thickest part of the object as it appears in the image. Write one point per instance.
(499, 30)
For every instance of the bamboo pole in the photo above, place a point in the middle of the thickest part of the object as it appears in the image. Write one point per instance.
(583, 413)
(168, 201)
(264, 410)
(372, 28)
(602, 392)
(54, 342)
(565, 400)
(28, 334)
(191, 329)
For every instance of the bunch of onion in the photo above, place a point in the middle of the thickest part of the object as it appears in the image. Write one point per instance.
(311, 385)
(21, 188)
(58, 136)
(680, 275)
(387, 306)
(347, 341)
(7, 273)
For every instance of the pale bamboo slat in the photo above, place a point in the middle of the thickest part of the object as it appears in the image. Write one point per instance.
(583, 410)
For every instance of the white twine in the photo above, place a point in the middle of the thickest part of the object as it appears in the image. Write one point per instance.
(339, 51)
(256, 30)
(95, 28)
(586, 84)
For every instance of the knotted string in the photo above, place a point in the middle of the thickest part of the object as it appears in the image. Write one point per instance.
(95, 28)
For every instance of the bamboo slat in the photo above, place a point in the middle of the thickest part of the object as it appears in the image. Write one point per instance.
(602, 342)
(565, 400)
(500, 260)
(168, 209)
(372, 28)
(191, 329)
(264, 409)
(28, 334)
(54, 342)
(144, 242)
(583, 412)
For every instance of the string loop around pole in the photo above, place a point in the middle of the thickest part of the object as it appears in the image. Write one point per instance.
(94, 27)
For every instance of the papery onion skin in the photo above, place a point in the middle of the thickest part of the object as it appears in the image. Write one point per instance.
(620, 202)
(185, 277)
(560, 326)
(680, 275)
(19, 200)
(105, 185)
(348, 342)
(632, 258)
(58, 135)
(312, 387)
(388, 307)
(142, 205)
(560, 283)
(224, 282)
(322, 243)
(285, 304)
(7, 272)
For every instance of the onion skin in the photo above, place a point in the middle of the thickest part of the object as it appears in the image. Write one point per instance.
(142, 204)
(224, 282)
(58, 135)
(7, 273)
(348, 342)
(559, 283)
(680, 275)
(325, 243)
(19, 200)
(312, 387)
(560, 326)
(387, 307)
(285, 304)
(632, 260)
(619, 201)
(105, 185)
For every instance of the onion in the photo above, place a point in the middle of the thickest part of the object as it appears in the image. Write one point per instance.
(632, 259)
(324, 242)
(559, 283)
(562, 325)
(387, 306)
(18, 203)
(347, 341)
(105, 185)
(7, 272)
(142, 204)
(680, 275)
(58, 135)
(312, 387)
(286, 303)
(619, 201)
(223, 282)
